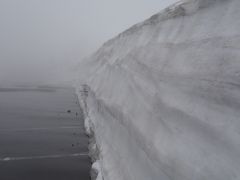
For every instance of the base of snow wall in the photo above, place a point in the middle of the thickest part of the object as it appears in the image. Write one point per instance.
(82, 94)
(114, 150)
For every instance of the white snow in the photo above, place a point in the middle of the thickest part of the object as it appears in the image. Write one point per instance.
(163, 98)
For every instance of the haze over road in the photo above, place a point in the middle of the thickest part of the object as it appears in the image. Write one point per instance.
(39, 138)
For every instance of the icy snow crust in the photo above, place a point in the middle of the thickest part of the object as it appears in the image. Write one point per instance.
(163, 98)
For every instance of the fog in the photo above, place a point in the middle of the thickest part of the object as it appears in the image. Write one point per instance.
(41, 41)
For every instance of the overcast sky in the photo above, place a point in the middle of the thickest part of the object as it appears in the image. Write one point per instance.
(41, 39)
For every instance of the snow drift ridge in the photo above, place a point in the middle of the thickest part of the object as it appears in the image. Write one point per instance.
(164, 96)
(181, 8)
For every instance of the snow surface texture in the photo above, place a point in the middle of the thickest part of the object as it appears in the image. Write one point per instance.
(163, 98)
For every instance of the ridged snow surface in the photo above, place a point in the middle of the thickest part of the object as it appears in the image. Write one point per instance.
(164, 96)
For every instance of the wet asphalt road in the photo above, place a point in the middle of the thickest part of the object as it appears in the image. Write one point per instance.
(39, 139)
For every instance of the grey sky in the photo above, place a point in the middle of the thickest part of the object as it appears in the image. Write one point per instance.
(41, 39)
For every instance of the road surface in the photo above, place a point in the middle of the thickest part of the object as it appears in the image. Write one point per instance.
(42, 135)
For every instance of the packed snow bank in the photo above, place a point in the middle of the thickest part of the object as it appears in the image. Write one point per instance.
(162, 99)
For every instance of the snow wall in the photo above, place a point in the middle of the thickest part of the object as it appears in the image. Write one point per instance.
(162, 99)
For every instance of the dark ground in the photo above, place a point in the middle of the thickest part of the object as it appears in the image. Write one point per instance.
(39, 138)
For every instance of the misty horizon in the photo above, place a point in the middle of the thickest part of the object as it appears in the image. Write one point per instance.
(42, 41)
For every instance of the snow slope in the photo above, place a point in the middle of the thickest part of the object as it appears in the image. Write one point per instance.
(162, 99)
